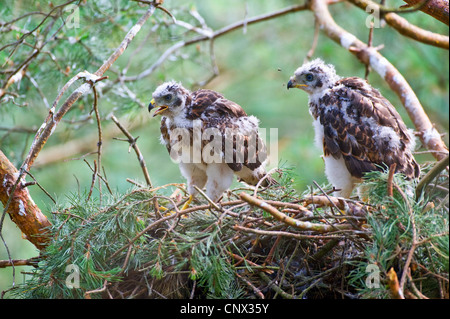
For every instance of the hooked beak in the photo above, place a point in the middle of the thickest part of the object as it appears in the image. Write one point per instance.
(291, 84)
(152, 105)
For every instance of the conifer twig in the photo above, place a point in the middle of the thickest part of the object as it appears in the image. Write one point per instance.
(414, 243)
(290, 221)
(99, 143)
(133, 144)
(23, 211)
(251, 263)
(390, 180)
(254, 288)
(19, 262)
(201, 192)
(284, 233)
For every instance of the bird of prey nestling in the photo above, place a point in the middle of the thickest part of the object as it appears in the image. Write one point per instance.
(210, 137)
(359, 130)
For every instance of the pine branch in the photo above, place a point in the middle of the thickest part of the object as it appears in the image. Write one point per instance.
(20, 206)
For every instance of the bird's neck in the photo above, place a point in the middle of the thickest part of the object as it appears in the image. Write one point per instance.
(314, 110)
(180, 120)
(314, 99)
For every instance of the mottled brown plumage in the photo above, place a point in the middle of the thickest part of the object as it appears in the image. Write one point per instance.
(213, 104)
(232, 133)
(355, 124)
(214, 111)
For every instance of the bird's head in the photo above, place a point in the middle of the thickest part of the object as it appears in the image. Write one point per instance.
(170, 98)
(313, 77)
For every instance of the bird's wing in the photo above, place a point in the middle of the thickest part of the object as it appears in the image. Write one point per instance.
(165, 137)
(364, 127)
(240, 141)
(211, 103)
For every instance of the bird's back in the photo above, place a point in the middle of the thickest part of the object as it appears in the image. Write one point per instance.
(208, 103)
(364, 128)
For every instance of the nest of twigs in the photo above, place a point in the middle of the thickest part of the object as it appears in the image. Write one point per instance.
(256, 243)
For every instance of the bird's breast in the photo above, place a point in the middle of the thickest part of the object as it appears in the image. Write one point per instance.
(319, 133)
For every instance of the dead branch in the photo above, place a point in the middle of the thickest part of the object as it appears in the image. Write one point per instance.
(411, 251)
(404, 27)
(321, 228)
(437, 168)
(99, 144)
(289, 205)
(248, 283)
(35, 182)
(82, 145)
(274, 287)
(16, 199)
(17, 74)
(18, 262)
(407, 29)
(390, 180)
(133, 144)
(348, 206)
(94, 178)
(283, 233)
(214, 35)
(370, 56)
(53, 118)
(438, 9)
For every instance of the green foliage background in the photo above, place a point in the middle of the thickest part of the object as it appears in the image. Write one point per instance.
(254, 66)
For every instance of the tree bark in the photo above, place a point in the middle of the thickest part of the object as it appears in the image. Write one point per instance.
(405, 28)
(20, 206)
(14, 196)
(438, 9)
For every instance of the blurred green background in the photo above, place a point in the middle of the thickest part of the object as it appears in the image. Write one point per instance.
(254, 66)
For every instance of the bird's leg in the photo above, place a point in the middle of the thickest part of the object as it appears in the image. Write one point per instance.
(163, 208)
(220, 178)
(196, 177)
(188, 202)
(169, 212)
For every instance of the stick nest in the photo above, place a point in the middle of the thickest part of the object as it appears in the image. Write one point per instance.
(256, 243)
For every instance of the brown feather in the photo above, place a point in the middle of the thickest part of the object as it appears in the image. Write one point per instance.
(350, 111)
(165, 133)
(215, 111)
